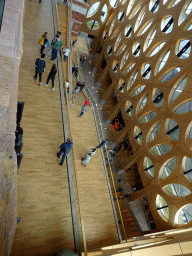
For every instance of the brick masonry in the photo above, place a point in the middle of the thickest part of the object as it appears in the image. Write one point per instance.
(76, 27)
(77, 16)
(81, 4)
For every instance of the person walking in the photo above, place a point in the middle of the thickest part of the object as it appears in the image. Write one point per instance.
(40, 65)
(84, 109)
(76, 91)
(82, 86)
(87, 102)
(42, 42)
(74, 42)
(51, 76)
(57, 44)
(65, 149)
(66, 53)
(92, 151)
(86, 159)
(104, 142)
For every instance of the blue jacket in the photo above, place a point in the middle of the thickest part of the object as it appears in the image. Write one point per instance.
(66, 147)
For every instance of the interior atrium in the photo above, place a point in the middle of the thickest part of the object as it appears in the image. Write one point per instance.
(131, 59)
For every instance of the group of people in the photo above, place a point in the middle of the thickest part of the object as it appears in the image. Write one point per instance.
(78, 88)
(52, 48)
(66, 147)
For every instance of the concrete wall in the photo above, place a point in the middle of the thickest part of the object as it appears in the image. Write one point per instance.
(11, 38)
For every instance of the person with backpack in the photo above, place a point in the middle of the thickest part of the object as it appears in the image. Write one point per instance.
(57, 44)
(42, 42)
(51, 76)
(40, 65)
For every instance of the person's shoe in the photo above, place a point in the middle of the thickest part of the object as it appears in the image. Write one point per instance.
(60, 164)
(39, 84)
(58, 155)
(46, 84)
(35, 78)
(53, 89)
(52, 60)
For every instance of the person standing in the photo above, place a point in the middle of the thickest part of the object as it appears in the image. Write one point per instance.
(66, 53)
(84, 109)
(75, 92)
(58, 43)
(51, 76)
(86, 159)
(54, 39)
(104, 142)
(42, 42)
(65, 149)
(40, 65)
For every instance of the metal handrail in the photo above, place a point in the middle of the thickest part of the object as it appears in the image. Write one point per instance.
(70, 134)
(95, 110)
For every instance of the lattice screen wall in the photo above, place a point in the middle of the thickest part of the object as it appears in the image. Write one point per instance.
(147, 46)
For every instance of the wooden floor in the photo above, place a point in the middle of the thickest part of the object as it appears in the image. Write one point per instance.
(97, 214)
(43, 194)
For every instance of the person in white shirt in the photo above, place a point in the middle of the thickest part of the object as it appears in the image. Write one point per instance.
(66, 53)
(92, 151)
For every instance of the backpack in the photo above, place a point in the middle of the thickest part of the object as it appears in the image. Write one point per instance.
(47, 43)
(41, 40)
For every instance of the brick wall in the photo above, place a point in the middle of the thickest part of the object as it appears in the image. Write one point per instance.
(81, 4)
(78, 16)
(76, 27)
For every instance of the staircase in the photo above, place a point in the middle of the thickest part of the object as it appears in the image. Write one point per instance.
(62, 20)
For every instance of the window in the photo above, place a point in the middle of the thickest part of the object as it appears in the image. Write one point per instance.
(184, 49)
(157, 49)
(162, 207)
(164, 60)
(104, 13)
(149, 167)
(138, 135)
(168, 168)
(179, 89)
(93, 9)
(167, 25)
(154, 132)
(136, 49)
(148, 117)
(138, 90)
(146, 71)
(171, 74)
(93, 24)
(154, 6)
(173, 129)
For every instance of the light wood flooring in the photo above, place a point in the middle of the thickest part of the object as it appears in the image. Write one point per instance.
(97, 214)
(43, 195)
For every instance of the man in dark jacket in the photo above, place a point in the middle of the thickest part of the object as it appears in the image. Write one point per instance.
(40, 67)
(65, 148)
(102, 143)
